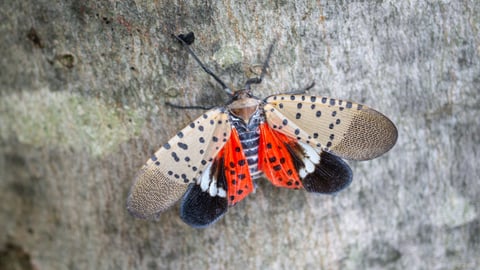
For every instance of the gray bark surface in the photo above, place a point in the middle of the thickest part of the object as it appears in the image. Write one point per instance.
(82, 91)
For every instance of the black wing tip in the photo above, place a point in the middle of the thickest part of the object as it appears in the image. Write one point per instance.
(331, 175)
(200, 210)
(198, 224)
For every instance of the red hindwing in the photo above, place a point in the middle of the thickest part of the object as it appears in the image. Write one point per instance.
(275, 160)
(237, 175)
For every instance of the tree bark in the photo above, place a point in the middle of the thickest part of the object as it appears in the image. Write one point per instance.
(82, 106)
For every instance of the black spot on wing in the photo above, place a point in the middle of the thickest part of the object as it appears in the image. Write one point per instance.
(175, 157)
(182, 145)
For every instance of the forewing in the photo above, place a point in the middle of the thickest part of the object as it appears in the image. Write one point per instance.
(343, 128)
(165, 177)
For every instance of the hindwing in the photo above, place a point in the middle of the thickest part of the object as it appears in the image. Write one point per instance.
(275, 160)
(224, 182)
(289, 163)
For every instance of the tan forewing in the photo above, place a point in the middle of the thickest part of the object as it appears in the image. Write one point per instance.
(346, 129)
(164, 178)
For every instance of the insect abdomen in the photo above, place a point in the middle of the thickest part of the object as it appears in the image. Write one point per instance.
(249, 136)
(249, 141)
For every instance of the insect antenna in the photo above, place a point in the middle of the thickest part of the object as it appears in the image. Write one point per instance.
(188, 38)
(301, 90)
(258, 80)
(194, 107)
(182, 39)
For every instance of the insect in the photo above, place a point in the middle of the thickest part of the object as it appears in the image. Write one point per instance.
(295, 141)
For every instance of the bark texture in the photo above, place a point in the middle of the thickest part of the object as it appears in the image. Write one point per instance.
(83, 86)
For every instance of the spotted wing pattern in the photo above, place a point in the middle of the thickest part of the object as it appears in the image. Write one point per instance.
(274, 158)
(237, 175)
(164, 178)
(343, 128)
(292, 164)
(224, 182)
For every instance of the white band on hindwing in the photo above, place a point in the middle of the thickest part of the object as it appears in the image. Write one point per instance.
(209, 185)
(310, 159)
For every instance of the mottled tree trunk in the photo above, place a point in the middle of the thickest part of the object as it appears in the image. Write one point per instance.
(83, 86)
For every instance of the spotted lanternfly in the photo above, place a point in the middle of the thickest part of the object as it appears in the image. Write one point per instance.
(296, 141)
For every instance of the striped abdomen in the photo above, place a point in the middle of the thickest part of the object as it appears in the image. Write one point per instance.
(249, 135)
